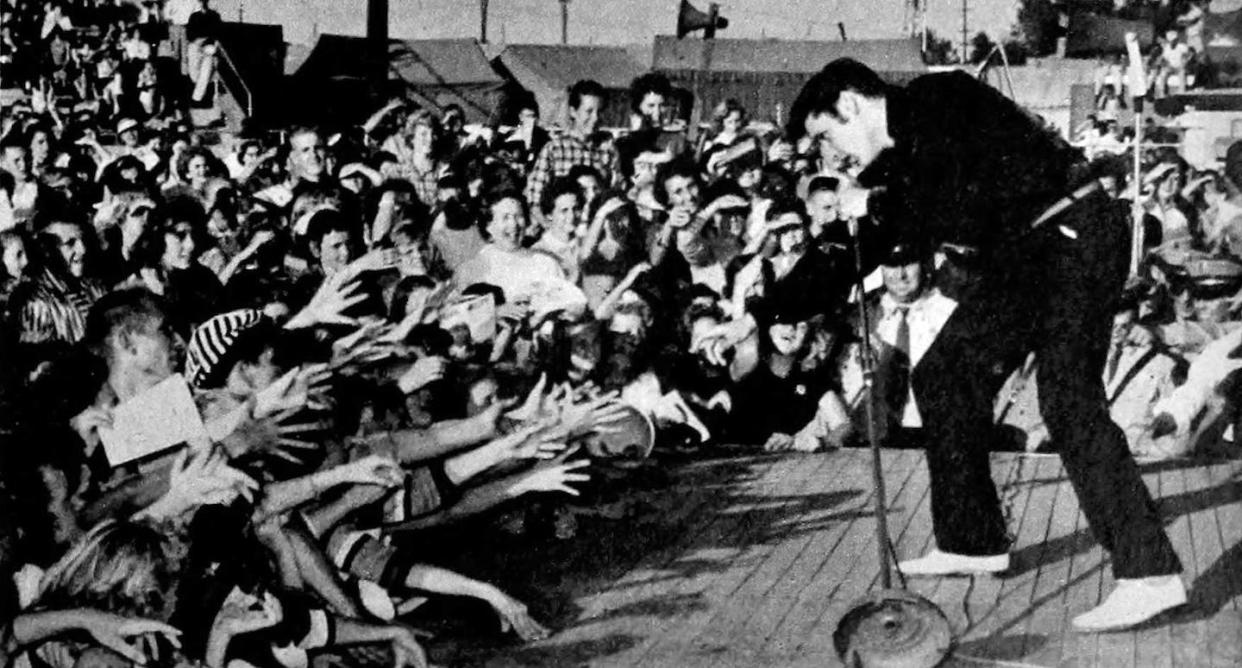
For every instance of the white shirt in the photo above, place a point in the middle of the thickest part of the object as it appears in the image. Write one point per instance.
(925, 316)
(524, 275)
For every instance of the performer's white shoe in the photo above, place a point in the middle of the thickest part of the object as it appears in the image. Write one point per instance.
(937, 562)
(1133, 602)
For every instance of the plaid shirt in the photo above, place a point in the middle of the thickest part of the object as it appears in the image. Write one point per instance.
(561, 155)
(425, 183)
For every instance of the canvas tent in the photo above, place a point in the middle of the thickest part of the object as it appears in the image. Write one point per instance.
(548, 70)
(765, 75)
(434, 72)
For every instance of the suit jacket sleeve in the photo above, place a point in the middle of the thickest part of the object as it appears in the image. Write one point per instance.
(969, 166)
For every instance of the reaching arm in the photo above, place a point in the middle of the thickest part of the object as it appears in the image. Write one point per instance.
(608, 305)
(405, 645)
(283, 496)
(109, 630)
(378, 117)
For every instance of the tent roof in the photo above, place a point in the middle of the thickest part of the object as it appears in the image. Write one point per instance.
(747, 55)
(442, 61)
(559, 66)
(431, 62)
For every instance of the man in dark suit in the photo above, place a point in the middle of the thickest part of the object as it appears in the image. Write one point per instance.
(947, 159)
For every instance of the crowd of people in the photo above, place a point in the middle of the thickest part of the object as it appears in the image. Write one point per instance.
(238, 377)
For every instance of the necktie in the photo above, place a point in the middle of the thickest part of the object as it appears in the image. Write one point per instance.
(899, 391)
(1114, 360)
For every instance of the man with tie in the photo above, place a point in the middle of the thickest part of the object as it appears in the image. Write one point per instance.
(911, 311)
(947, 159)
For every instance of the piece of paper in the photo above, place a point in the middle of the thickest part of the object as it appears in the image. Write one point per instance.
(478, 313)
(161, 418)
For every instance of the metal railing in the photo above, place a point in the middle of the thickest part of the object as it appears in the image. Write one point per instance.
(236, 75)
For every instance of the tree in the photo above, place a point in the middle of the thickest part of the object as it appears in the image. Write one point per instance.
(1015, 52)
(1039, 26)
(939, 50)
(980, 47)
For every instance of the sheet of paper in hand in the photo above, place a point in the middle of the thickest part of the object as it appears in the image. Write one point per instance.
(156, 420)
(478, 313)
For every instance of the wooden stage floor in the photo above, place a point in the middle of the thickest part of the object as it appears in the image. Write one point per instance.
(751, 561)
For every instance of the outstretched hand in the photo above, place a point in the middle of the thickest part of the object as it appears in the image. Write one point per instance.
(338, 293)
(123, 635)
(554, 476)
(529, 443)
(238, 616)
(515, 617)
(207, 479)
(371, 470)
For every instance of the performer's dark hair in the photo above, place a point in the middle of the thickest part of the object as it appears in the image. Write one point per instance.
(820, 93)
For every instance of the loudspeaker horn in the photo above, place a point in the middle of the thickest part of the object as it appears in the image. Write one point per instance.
(691, 18)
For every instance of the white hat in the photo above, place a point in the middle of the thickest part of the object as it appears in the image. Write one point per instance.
(125, 125)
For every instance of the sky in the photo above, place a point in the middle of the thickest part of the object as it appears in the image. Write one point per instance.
(618, 21)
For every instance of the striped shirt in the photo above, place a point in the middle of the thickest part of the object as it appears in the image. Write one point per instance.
(56, 309)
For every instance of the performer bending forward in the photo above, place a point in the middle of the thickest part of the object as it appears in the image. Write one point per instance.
(947, 159)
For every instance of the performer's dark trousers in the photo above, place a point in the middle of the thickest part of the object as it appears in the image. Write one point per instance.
(1053, 296)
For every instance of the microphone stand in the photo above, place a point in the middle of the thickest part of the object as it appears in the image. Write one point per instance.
(867, 359)
(888, 627)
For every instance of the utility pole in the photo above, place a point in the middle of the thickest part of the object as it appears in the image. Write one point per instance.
(483, 21)
(564, 21)
(965, 31)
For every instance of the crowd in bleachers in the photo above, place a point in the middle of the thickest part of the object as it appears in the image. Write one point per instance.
(238, 377)
(1176, 62)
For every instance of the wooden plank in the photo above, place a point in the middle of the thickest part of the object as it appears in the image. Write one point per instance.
(698, 517)
(762, 599)
(962, 599)
(1229, 516)
(916, 537)
(677, 645)
(728, 551)
(998, 633)
(1082, 584)
(1191, 644)
(1121, 648)
(912, 537)
(968, 600)
(817, 642)
(1219, 588)
(780, 563)
(757, 607)
(657, 571)
(838, 583)
(1050, 622)
(1153, 645)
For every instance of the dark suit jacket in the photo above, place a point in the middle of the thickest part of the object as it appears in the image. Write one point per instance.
(969, 167)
